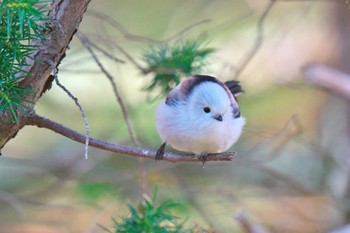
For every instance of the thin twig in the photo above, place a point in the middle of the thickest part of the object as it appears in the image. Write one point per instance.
(185, 30)
(114, 44)
(257, 42)
(107, 54)
(277, 174)
(133, 37)
(104, 228)
(14, 202)
(86, 43)
(87, 131)
(247, 225)
(42, 122)
(192, 197)
(80, 71)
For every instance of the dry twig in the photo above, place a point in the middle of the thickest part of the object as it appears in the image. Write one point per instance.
(247, 225)
(87, 131)
(87, 44)
(257, 42)
(118, 26)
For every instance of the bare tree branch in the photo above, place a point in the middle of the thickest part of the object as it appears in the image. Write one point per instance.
(87, 130)
(118, 26)
(132, 134)
(87, 44)
(279, 175)
(107, 54)
(328, 78)
(114, 44)
(43, 122)
(257, 42)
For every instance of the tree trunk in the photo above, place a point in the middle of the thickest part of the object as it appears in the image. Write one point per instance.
(65, 16)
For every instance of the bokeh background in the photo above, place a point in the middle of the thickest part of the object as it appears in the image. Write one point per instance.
(292, 171)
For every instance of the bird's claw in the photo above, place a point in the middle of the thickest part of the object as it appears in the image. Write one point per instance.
(160, 152)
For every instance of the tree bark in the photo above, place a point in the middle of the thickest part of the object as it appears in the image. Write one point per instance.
(65, 16)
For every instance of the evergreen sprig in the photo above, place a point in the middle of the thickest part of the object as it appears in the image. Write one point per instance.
(149, 218)
(171, 62)
(21, 21)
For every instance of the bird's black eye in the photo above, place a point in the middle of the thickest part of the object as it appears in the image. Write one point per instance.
(206, 109)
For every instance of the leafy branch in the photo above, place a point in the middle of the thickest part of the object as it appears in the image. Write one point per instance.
(171, 62)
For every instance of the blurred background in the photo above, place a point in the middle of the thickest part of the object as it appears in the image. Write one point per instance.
(292, 171)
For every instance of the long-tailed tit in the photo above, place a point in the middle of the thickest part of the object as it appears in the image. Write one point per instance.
(200, 115)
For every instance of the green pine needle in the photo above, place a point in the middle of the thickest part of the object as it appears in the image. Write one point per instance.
(21, 21)
(149, 218)
(171, 62)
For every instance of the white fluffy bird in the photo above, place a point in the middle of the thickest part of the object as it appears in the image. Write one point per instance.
(200, 115)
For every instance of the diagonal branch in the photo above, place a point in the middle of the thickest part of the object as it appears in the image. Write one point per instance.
(86, 42)
(257, 42)
(88, 45)
(87, 130)
(43, 122)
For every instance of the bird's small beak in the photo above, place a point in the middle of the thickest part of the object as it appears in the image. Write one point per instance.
(218, 117)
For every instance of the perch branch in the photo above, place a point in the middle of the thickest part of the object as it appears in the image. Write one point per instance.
(329, 79)
(43, 122)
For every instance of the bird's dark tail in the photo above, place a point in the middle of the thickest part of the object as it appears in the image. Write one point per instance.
(235, 87)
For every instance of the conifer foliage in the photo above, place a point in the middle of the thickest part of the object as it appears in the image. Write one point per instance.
(21, 23)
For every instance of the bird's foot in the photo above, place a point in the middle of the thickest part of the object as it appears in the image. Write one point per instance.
(203, 158)
(160, 152)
